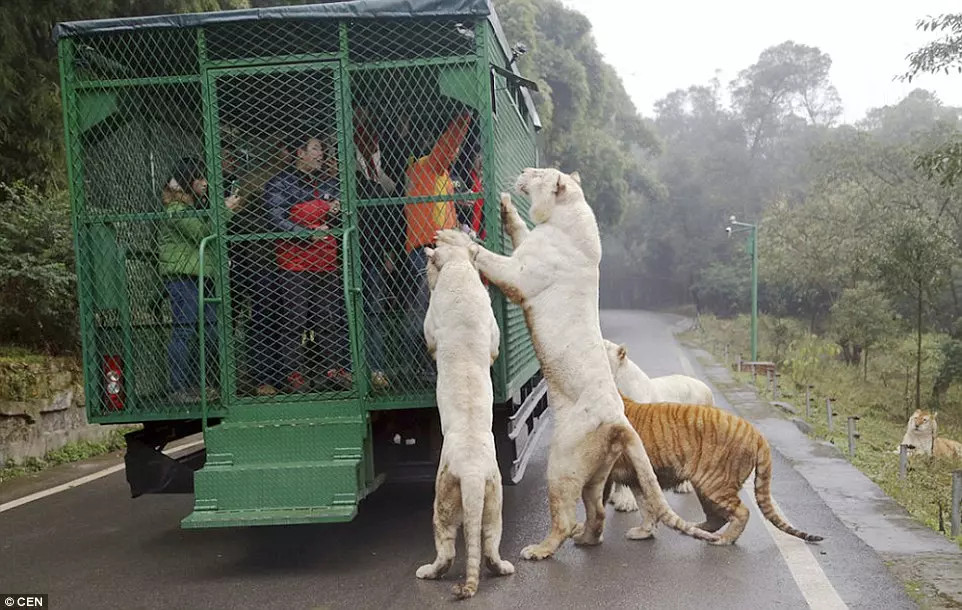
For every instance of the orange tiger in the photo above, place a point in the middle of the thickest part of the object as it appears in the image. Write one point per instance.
(713, 449)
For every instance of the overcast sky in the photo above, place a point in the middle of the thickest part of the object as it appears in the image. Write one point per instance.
(661, 45)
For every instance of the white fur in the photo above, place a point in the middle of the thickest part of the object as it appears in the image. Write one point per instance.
(553, 274)
(919, 433)
(922, 432)
(639, 387)
(463, 337)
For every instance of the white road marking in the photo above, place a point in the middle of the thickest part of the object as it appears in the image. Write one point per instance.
(85, 479)
(811, 580)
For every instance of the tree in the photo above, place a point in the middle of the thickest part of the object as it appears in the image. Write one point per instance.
(915, 262)
(590, 122)
(37, 303)
(722, 289)
(950, 366)
(878, 161)
(788, 79)
(31, 130)
(706, 175)
(806, 252)
(861, 318)
(942, 55)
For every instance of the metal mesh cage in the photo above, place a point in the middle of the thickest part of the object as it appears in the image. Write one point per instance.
(252, 200)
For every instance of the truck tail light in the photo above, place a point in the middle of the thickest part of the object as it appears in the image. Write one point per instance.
(114, 394)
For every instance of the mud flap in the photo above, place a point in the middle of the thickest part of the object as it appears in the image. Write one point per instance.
(149, 471)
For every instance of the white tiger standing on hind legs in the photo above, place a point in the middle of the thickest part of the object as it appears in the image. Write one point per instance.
(553, 275)
(462, 335)
(639, 387)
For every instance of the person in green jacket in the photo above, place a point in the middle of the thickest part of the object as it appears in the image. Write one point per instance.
(180, 238)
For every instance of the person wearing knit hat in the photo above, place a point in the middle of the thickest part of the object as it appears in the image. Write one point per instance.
(179, 262)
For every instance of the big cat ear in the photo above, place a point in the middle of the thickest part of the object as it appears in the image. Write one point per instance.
(576, 176)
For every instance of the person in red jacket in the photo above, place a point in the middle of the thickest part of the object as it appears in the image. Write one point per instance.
(307, 197)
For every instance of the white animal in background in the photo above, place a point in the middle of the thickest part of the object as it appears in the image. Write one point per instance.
(922, 432)
(462, 335)
(639, 387)
(553, 274)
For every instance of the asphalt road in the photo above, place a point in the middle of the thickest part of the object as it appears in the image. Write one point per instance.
(94, 547)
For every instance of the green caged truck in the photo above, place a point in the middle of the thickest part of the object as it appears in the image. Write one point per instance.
(251, 192)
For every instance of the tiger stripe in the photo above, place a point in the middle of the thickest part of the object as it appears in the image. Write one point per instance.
(716, 451)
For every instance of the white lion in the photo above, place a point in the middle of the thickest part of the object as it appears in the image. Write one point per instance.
(639, 387)
(462, 335)
(553, 275)
(922, 433)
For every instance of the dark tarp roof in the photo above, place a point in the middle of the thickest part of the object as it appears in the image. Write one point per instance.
(348, 9)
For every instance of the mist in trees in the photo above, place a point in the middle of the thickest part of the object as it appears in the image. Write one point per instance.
(860, 225)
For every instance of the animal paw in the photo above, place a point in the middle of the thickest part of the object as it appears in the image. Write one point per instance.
(684, 487)
(583, 539)
(464, 591)
(426, 571)
(507, 209)
(722, 541)
(502, 567)
(580, 538)
(639, 533)
(452, 237)
(623, 500)
(535, 552)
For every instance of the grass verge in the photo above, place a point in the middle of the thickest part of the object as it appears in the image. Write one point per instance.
(71, 452)
(926, 491)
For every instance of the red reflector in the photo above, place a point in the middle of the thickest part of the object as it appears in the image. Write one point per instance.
(114, 382)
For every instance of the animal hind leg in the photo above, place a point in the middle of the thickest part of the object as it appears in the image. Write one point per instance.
(447, 519)
(562, 496)
(491, 526)
(592, 530)
(737, 516)
(648, 520)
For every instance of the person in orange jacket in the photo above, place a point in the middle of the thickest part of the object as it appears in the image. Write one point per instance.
(429, 176)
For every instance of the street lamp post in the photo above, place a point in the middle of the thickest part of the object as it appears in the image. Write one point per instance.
(753, 246)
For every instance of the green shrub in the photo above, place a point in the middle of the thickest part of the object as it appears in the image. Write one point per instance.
(37, 302)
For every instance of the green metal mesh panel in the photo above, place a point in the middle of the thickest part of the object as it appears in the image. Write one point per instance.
(136, 55)
(126, 133)
(280, 143)
(515, 149)
(385, 40)
(271, 39)
(388, 120)
(416, 126)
